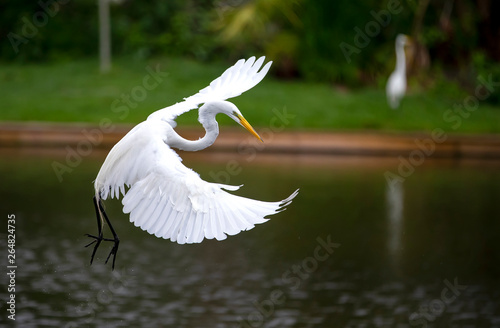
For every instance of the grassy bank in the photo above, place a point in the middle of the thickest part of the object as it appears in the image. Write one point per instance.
(77, 92)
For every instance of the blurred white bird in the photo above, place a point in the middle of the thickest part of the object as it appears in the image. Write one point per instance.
(164, 197)
(396, 85)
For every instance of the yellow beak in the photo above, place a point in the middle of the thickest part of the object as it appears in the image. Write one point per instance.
(247, 126)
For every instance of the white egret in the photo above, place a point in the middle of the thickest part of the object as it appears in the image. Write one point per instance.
(396, 85)
(164, 197)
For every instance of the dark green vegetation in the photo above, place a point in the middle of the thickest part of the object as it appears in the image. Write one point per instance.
(343, 42)
(331, 60)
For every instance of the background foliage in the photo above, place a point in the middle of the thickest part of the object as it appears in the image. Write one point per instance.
(456, 39)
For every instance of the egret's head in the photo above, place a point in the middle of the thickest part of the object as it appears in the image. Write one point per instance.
(236, 115)
(228, 108)
(403, 40)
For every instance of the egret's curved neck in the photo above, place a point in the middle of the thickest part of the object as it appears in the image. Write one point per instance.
(400, 58)
(207, 120)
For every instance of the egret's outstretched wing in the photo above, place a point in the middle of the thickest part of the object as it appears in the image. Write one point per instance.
(171, 201)
(191, 209)
(237, 79)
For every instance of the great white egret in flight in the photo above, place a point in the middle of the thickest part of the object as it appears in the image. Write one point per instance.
(164, 197)
(396, 85)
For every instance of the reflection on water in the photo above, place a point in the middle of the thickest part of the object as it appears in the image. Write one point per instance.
(342, 255)
(394, 198)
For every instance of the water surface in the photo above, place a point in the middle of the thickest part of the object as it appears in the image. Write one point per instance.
(348, 252)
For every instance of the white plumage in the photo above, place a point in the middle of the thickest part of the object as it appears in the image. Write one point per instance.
(164, 197)
(396, 84)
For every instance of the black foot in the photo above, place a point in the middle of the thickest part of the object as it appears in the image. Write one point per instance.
(97, 240)
(100, 212)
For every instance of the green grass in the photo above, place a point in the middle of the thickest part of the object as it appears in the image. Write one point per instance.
(77, 92)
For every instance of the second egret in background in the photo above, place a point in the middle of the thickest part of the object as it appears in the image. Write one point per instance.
(396, 85)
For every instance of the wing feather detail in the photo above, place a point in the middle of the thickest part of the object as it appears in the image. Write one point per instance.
(237, 79)
(186, 209)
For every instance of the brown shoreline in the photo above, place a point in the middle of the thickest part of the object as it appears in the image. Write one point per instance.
(372, 143)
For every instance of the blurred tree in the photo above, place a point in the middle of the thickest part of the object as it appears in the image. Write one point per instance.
(420, 59)
(459, 36)
(328, 27)
(175, 27)
(489, 27)
(43, 30)
(104, 36)
(343, 41)
(267, 26)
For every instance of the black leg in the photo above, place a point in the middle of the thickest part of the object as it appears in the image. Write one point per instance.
(97, 239)
(100, 212)
(115, 239)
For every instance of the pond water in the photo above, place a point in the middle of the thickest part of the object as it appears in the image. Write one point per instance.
(348, 252)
